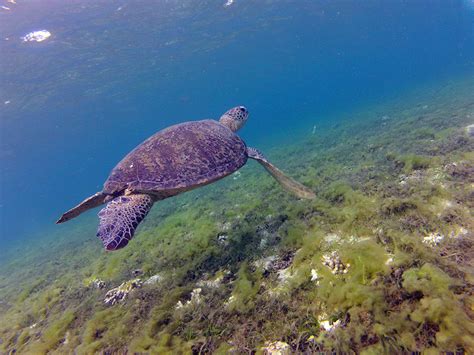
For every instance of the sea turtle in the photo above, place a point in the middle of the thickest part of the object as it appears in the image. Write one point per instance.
(176, 159)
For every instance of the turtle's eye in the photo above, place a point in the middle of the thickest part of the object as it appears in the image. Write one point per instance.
(243, 109)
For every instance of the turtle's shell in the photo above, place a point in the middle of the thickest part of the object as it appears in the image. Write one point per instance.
(179, 158)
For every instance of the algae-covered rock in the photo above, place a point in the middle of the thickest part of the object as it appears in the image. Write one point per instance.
(97, 283)
(215, 282)
(137, 272)
(196, 298)
(433, 239)
(328, 325)
(275, 263)
(266, 263)
(333, 262)
(276, 348)
(121, 292)
(470, 130)
(315, 276)
(153, 279)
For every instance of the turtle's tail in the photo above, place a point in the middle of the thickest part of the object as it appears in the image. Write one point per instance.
(93, 201)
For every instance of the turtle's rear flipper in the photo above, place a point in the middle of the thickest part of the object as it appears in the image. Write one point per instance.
(286, 182)
(95, 200)
(120, 218)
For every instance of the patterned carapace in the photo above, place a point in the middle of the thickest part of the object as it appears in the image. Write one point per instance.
(177, 158)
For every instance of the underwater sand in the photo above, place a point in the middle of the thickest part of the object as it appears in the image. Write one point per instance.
(380, 262)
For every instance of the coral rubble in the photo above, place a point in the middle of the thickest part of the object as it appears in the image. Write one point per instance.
(120, 293)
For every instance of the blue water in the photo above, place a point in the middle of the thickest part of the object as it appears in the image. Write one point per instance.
(115, 72)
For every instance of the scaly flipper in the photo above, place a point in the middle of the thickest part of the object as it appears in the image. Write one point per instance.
(95, 200)
(286, 182)
(120, 218)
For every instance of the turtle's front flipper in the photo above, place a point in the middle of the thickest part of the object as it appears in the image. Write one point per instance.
(120, 218)
(95, 200)
(288, 183)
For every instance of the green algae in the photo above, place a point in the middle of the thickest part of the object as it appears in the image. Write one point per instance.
(382, 189)
(106, 327)
(29, 289)
(245, 289)
(54, 333)
(414, 162)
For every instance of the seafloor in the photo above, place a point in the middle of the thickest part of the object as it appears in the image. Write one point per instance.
(380, 262)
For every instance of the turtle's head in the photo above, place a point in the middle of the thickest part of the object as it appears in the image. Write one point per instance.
(235, 118)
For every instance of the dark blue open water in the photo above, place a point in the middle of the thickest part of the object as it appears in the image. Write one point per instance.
(114, 72)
